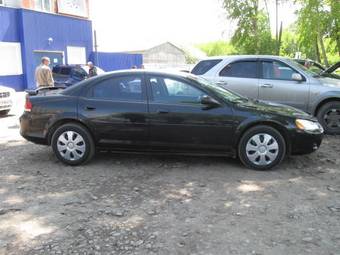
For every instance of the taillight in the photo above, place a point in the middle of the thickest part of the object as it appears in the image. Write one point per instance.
(28, 104)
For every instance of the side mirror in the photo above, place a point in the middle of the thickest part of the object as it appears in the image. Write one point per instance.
(209, 101)
(297, 77)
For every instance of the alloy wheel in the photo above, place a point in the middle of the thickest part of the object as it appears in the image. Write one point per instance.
(332, 118)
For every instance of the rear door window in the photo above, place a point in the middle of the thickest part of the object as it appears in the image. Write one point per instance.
(204, 66)
(240, 69)
(127, 88)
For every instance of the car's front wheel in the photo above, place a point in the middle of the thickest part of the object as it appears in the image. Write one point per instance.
(73, 144)
(329, 118)
(261, 148)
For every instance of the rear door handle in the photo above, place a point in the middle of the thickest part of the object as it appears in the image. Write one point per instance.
(90, 108)
(267, 86)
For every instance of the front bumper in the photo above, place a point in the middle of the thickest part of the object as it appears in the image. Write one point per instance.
(5, 104)
(305, 143)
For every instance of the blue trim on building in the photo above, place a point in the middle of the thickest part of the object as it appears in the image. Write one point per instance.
(116, 61)
(32, 30)
(14, 81)
(9, 31)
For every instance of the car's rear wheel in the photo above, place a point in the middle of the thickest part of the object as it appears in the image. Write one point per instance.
(4, 113)
(73, 144)
(261, 148)
(329, 118)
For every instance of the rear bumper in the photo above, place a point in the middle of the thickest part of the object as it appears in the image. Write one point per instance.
(28, 131)
(305, 143)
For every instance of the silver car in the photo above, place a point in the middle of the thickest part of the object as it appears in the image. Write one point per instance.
(277, 79)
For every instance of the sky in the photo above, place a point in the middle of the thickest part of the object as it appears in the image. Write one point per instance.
(132, 25)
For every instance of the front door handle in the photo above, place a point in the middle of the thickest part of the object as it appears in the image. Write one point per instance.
(162, 112)
(267, 86)
(90, 108)
(222, 83)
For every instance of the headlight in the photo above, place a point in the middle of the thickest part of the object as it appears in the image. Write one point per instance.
(308, 126)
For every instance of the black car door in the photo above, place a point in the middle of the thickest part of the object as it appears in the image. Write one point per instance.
(116, 109)
(178, 120)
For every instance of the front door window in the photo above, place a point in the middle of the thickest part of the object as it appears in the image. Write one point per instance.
(166, 90)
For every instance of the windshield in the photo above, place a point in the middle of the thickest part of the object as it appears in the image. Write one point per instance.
(220, 91)
(305, 69)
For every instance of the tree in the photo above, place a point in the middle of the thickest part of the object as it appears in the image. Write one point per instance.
(317, 21)
(253, 34)
(335, 23)
(289, 45)
(218, 48)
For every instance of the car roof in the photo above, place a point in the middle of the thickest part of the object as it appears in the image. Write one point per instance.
(149, 71)
(231, 57)
(72, 65)
(175, 74)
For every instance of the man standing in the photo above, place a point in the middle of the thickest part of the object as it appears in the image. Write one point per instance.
(43, 74)
(92, 69)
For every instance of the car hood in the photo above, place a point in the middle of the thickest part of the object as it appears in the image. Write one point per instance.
(275, 108)
(329, 82)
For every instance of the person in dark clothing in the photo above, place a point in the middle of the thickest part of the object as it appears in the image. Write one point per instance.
(92, 70)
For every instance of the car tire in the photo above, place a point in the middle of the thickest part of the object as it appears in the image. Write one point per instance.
(73, 144)
(261, 148)
(4, 113)
(327, 116)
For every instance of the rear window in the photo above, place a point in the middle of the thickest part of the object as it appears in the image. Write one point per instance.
(65, 70)
(56, 69)
(204, 66)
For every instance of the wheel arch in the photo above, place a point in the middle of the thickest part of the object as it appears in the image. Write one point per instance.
(323, 102)
(277, 126)
(61, 122)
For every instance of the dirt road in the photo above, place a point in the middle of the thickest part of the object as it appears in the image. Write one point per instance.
(128, 204)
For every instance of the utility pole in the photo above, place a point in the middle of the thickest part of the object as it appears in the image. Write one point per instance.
(95, 48)
(277, 26)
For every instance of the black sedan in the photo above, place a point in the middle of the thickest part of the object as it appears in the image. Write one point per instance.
(158, 112)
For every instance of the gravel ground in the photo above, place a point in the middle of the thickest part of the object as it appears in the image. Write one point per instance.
(129, 204)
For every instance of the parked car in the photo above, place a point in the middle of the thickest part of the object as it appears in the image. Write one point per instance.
(158, 112)
(332, 72)
(6, 100)
(311, 65)
(70, 74)
(277, 79)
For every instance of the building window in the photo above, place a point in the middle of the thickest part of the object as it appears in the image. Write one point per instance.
(76, 55)
(43, 5)
(2, 2)
(10, 63)
(73, 7)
